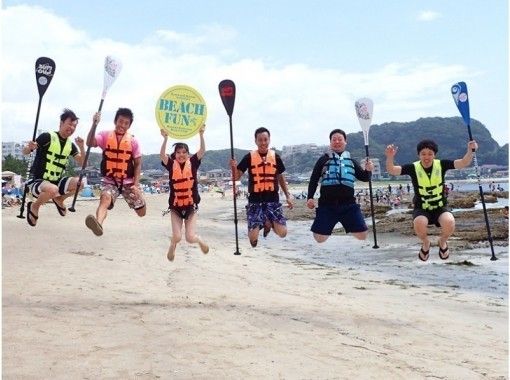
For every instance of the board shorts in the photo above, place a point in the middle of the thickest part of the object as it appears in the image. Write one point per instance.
(327, 216)
(432, 215)
(133, 198)
(34, 185)
(258, 213)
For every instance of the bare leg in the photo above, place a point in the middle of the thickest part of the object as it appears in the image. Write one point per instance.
(447, 223)
(420, 224)
(191, 236)
(280, 229)
(253, 235)
(48, 191)
(176, 234)
(360, 235)
(320, 238)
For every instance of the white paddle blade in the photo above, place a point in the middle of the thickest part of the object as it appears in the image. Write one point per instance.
(112, 68)
(364, 110)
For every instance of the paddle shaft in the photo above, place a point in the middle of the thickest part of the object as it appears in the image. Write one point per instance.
(25, 188)
(375, 246)
(482, 198)
(85, 159)
(234, 185)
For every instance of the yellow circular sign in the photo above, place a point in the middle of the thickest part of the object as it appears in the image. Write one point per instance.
(181, 111)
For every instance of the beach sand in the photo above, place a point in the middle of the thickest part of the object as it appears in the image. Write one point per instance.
(77, 306)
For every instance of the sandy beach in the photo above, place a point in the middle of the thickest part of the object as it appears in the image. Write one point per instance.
(76, 306)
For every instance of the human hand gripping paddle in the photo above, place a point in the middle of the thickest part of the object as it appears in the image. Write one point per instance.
(460, 96)
(227, 90)
(112, 67)
(364, 110)
(44, 71)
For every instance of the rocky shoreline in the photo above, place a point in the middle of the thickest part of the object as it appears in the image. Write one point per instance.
(470, 224)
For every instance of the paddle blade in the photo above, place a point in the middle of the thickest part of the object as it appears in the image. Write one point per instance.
(227, 90)
(112, 68)
(460, 96)
(364, 110)
(44, 71)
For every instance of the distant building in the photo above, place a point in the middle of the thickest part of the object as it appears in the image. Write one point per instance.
(312, 149)
(376, 173)
(14, 149)
(218, 175)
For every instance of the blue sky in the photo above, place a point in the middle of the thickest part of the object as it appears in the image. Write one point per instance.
(298, 67)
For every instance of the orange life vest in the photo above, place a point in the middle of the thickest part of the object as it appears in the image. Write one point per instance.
(118, 157)
(263, 171)
(182, 184)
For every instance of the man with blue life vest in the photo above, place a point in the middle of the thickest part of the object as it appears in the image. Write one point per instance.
(265, 172)
(427, 175)
(336, 171)
(120, 167)
(53, 150)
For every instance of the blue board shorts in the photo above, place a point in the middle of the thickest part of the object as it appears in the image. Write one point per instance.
(258, 213)
(327, 216)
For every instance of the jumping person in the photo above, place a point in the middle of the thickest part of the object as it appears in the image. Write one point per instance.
(265, 172)
(52, 152)
(184, 197)
(427, 175)
(337, 171)
(120, 167)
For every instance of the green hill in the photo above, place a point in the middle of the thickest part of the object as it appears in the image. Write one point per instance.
(450, 134)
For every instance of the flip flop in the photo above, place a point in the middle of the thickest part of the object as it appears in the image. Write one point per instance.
(30, 214)
(423, 255)
(92, 223)
(444, 252)
(61, 210)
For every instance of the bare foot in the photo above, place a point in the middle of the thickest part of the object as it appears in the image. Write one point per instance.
(203, 246)
(171, 252)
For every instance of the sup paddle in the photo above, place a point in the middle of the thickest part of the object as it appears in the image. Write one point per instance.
(227, 90)
(364, 110)
(460, 96)
(112, 68)
(44, 71)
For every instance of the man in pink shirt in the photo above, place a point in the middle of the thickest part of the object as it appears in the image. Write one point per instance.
(120, 167)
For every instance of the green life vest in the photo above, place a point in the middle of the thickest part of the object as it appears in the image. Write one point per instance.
(56, 158)
(430, 190)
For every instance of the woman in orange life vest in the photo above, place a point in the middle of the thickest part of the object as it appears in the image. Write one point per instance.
(427, 175)
(265, 169)
(121, 168)
(184, 198)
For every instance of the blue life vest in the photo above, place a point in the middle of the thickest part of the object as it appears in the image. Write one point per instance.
(338, 170)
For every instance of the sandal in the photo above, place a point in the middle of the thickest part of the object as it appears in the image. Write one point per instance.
(30, 214)
(444, 253)
(92, 223)
(423, 255)
(61, 210)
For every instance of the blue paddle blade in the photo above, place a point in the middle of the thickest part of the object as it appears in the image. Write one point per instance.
(460, 96)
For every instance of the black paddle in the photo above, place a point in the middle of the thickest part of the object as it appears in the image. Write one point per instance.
(227, 90)
(112, 69)
(44, 71)
(460, 96)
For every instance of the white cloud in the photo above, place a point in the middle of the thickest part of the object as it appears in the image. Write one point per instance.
(428, 16)
(296, 102)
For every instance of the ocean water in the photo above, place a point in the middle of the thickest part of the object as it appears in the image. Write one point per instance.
(396, 261)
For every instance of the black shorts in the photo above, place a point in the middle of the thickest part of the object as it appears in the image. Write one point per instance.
(184, 212)
(432, 216)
